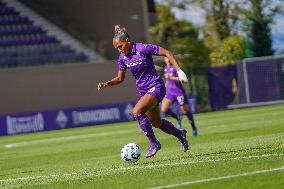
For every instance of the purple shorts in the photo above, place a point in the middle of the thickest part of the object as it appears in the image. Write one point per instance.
(181, 99)
(158, 92)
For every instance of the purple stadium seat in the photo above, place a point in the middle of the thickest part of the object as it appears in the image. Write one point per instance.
(23, 43)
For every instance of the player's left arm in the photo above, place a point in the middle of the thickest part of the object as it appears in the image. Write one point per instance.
(181, 75)
(170, 56)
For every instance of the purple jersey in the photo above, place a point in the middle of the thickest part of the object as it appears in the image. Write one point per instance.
(173, 87)
(141, 65)
(175, 91)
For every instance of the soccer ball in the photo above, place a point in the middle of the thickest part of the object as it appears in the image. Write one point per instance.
(130, 152)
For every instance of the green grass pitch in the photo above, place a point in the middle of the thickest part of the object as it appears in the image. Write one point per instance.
(240, 148)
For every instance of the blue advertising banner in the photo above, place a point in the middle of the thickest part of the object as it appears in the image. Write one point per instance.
(222, 86)
(14, 124)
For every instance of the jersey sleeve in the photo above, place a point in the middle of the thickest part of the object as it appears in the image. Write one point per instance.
(121, 64)
(151, 49)
(165, 71)
(174, 72)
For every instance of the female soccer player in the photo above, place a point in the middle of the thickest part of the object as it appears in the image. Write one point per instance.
(137, 57)
(176, 93)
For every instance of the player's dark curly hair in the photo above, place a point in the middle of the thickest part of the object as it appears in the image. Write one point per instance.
(120, 33)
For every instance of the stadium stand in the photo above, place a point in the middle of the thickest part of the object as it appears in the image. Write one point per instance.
(24, 43)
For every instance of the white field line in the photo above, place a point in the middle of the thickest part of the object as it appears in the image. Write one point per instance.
(121, 169)
(66, 138)
(220, 178)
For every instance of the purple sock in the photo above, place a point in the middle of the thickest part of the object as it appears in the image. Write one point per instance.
(169, 128)
(146, 127)
(191, 120)
(171, 113)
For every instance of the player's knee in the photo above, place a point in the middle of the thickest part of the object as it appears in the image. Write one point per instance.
(164, 110)
(184, 109)
(136, 112)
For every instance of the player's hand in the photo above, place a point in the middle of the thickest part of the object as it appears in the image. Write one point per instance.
(102, 86)
(181, 76)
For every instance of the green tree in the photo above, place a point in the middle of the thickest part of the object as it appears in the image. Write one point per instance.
(249, 47)
(199, 53)
(230, 51)
(179, 36)
(168, 27)
(217, 19)
(164, 29)
(260, 31)
(257, 20)
(220, 15)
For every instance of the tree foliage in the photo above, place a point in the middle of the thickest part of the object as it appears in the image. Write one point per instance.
(220, 43)
(220, 16)
(231, 50)
(252, 18)
(180, 36)
(217, 19)
(199, 53)
(258, 20)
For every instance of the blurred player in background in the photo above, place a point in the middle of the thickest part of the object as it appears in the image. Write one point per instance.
(176, 93)
(137, 57)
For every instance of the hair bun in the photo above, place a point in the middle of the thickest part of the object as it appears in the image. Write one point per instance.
(120, 33)
(119, 29)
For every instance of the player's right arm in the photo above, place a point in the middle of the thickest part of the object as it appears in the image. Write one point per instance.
(115, 81)
(166, 53)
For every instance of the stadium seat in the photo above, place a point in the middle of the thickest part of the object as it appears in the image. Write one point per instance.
(23, 43)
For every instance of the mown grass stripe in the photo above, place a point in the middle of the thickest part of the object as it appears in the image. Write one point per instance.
(121, 169)
(220, 178)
